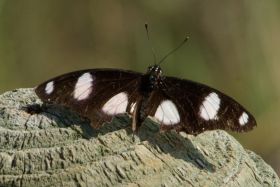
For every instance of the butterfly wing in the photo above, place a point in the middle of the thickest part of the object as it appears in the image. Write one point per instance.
(98, 94)
(194, 108)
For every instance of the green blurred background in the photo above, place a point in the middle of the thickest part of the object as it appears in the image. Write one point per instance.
(234, 47)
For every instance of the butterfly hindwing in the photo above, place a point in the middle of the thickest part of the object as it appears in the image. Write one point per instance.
(203, 108)
(96, 94)
(183, 105)
(164, 110)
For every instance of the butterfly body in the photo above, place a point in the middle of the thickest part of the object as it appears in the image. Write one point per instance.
(183, 105)
(149, 83)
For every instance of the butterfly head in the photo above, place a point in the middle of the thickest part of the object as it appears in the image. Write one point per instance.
(154, 75)
(154, 71)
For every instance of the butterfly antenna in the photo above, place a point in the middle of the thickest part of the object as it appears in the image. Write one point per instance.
(174, 50)
(148, 36)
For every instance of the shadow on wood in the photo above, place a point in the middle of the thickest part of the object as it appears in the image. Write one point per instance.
(182, 148)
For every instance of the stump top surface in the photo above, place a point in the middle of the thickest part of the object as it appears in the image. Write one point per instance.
(55, 147)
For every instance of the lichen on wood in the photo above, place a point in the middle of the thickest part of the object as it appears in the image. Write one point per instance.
(56, 147)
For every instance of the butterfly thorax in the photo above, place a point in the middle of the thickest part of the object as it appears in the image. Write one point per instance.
(154, 75)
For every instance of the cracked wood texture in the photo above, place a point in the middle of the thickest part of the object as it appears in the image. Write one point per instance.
(51, 146)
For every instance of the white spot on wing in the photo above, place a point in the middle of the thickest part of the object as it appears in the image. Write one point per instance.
(116, 105)
(49, 87)
(210, 107)
(83, 87)
(243, 119)
(167, 113)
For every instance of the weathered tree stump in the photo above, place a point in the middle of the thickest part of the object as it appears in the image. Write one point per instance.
(55, 147)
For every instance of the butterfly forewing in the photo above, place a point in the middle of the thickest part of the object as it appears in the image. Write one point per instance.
(183, 105)
(96, 94)
(203, 108)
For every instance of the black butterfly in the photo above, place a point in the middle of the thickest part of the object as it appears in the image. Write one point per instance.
(183, 105)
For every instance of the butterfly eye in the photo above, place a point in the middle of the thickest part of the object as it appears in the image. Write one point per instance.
(152, 78)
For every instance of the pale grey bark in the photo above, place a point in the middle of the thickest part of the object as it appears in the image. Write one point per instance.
(57, 148)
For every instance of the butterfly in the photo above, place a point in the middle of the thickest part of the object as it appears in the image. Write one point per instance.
(176, 104)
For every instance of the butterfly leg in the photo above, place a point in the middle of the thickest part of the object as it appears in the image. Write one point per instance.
(134, 120)
(138, 116)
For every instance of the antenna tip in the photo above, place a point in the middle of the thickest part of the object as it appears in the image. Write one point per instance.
(146, 25)
(187, 38)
